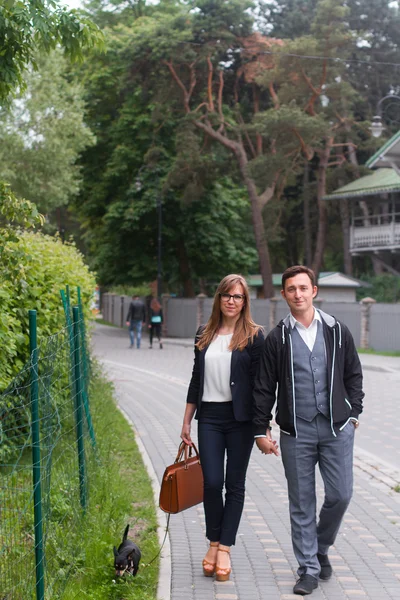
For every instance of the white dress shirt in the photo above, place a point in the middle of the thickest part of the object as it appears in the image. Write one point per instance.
(217, 370)
(308, 334)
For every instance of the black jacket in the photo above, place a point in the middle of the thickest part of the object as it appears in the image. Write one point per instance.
(276, 368)
(243, 370)
(137, 311)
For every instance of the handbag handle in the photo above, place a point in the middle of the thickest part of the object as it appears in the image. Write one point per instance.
(185, 452)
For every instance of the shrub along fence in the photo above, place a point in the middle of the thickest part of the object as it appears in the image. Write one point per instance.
(47, 456)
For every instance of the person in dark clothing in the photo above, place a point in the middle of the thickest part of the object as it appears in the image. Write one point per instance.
(135, 319)
(310, 366)
(227, 350)
(156, 319)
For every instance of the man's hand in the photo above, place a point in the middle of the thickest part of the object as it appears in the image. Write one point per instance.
(128, 323)
(267, 445)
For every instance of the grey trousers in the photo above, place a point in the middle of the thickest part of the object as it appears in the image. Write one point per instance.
(315, 443)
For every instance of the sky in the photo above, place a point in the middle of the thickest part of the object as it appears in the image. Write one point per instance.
(71, 3)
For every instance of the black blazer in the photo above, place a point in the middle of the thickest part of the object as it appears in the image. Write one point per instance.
(244, 366)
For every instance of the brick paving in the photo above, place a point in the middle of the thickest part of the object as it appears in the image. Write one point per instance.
(151, 388)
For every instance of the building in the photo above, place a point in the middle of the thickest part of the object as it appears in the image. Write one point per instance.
(375, 206)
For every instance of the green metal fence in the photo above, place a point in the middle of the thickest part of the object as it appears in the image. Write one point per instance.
(47, 458)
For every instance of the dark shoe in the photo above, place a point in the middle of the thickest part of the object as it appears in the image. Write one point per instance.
(150, 347)
(160, 345)
(326, 567)
(305, 585)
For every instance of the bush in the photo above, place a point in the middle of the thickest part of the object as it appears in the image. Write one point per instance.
(34, 268)
(385, 288)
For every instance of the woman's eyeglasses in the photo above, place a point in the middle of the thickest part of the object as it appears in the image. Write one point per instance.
(235, 297)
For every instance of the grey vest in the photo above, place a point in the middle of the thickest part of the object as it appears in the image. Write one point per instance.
(310, 376)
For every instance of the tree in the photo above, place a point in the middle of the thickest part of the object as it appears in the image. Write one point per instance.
(42, 134)
(31, 25)
(216, 88)
(374, 26)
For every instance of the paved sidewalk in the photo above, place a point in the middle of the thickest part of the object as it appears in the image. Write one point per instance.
(151, 388)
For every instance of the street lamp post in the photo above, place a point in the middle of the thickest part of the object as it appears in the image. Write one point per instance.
(377, 126)
(138, 185)
(159, 247)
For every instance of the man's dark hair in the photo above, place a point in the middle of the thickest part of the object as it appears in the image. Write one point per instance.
(296, 270)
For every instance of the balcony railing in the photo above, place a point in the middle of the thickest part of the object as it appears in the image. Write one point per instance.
(382, 232)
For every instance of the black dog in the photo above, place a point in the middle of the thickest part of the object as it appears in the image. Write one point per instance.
(127, 557)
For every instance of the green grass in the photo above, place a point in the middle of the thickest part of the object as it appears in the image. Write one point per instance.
(103, 322)
(379, 353)
(79, 547)
(397, 488)
(120, 493)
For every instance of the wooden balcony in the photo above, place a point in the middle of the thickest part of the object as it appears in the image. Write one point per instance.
(382, 235)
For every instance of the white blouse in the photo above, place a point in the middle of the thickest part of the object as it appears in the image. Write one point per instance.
(217, 370)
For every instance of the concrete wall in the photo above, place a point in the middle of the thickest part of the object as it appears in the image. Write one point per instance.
(183, 315)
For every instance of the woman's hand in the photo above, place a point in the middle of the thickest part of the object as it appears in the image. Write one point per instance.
(267, 445)
(185, 434)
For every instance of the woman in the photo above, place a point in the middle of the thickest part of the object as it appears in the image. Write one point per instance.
(227, 352)
(156, 318)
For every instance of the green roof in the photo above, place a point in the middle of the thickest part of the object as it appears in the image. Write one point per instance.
(383, 150)
(380, 181)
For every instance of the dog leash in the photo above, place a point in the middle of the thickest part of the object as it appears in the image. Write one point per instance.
(144, 566)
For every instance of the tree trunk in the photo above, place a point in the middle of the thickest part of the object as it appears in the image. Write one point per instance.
(306, 214)
(377, 265)
(258, 225)
(255, 204)
(184, 270)
(345, 219)
(322, 212)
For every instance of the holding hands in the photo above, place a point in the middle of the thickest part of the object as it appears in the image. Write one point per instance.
(267, 445)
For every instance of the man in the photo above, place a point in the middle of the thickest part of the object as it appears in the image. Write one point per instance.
(135, 318)
(312, 359)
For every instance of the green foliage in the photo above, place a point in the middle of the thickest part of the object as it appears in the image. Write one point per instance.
(33, 269)
(385, 288)
(126, 290)
(121, 493)
(78, 546)
(42, 133)
(30, 25)
(141, 136)
(136, 104)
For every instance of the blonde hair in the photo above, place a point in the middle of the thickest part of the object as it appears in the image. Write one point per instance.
(245, 327)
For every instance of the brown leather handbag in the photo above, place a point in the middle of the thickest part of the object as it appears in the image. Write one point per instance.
(182, 482)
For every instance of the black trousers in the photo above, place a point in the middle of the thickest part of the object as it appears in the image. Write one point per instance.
(219, 433)
(155, 329)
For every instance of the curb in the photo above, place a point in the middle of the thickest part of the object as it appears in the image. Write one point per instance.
(377, 469)
(164, 578)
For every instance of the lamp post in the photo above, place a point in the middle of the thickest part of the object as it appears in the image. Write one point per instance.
(138, 186)
(377, 126)
(159, 247)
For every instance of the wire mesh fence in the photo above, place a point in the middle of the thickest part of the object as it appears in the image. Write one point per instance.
(47, 458)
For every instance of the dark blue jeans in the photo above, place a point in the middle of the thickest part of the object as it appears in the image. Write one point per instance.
(135, 327)
(219, 433)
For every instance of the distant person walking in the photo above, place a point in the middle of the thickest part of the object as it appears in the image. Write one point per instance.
(135, 319)
(156, 319)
